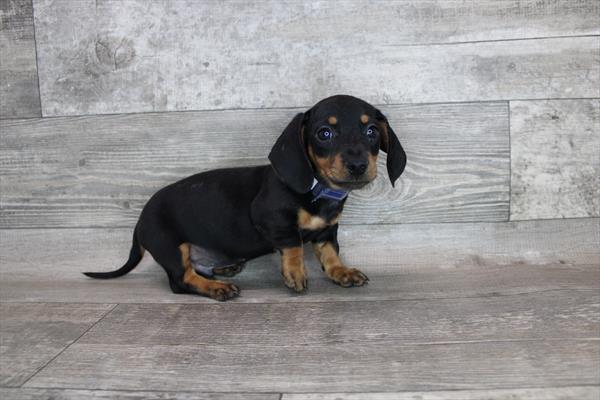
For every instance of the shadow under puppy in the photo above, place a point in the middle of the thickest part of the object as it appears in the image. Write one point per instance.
(237, 214)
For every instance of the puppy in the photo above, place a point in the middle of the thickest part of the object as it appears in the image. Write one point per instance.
(230, 216)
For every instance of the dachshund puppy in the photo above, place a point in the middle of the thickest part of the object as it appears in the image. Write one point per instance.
(230, 216)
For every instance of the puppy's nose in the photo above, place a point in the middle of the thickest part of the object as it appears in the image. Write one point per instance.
(356, 168)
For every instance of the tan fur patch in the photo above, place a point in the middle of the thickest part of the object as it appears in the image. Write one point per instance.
(337, 168)
(310, 222)
(216, 289)
(292, 256)
(335, 270)
(184, 249)
(190, 276)
(292, 268)
(327, 256)
(329, 167)
(335, 220)
(332, 120)
(372, 169)
(364, 118)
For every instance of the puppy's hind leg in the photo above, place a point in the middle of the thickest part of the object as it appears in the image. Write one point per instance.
(174, 256)
(196, 283)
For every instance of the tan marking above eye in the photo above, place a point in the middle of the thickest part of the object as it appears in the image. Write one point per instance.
(364, 118)
(332, 120)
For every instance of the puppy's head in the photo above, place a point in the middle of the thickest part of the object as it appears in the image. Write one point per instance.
(337, 141)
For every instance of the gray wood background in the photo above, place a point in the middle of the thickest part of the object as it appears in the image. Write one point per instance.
(484, 260)
(514, 132)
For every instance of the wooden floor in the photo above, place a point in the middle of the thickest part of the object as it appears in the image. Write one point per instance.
(484, 259)
(476, 332)
(490, 321)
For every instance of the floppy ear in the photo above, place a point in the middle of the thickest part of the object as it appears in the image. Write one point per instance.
(289, 160)
(396, 157)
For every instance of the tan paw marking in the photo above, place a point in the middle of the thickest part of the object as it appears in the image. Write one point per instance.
(292, 269)
(222, 291)
(347, 277)
(295, 279)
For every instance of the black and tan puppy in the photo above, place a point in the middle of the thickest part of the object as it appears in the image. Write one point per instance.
(239, 214)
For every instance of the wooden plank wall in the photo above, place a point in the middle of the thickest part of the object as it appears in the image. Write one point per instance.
(487, 150)
(97, 57)
(114, 163)
(555, 159)
(19, 92)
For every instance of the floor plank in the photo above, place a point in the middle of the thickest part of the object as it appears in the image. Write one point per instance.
(362, 367)
(88, 52)
(545, 315)
(100, 171)
(265, 285)
(72, 394)
(550, 393)
(33, 334)
(555, 158)
(19, 93)
(414, 261)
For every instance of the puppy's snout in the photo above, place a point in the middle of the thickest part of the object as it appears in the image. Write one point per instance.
(356, 167)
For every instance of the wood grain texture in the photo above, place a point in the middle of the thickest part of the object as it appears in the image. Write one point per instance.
(19, 93)
(264, 285)
(403, 262)
(360, 367)
(555, 163)
(550, 393)
(100, 57)
(544, 315)
(72, 394)
(33, 334)
(99, 171)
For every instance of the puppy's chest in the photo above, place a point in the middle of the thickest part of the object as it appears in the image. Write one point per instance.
(316, 220)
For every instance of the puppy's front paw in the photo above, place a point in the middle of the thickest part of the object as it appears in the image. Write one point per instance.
(295, 279)
(347, 277)
(222, 291)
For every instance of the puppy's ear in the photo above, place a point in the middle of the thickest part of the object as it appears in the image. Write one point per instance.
(396, 157)
(288, 157)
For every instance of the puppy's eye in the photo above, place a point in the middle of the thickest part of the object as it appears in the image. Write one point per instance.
(371, 132)
(325, 134)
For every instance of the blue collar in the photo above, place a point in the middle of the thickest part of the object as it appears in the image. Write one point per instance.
(320, 191)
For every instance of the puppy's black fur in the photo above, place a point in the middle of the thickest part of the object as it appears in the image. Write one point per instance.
(243, 213)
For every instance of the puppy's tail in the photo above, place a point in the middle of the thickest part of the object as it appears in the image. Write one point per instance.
(135, 256)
